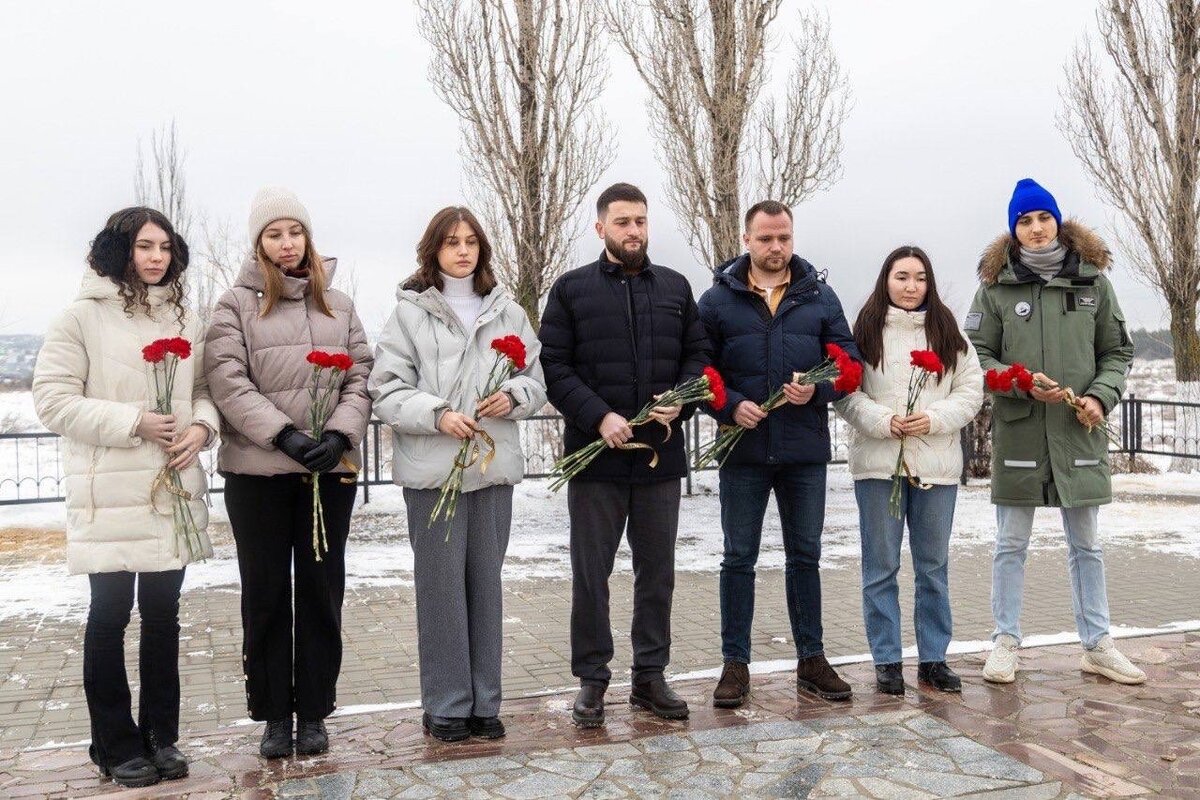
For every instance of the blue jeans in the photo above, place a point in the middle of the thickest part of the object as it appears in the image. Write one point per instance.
(800, 497)
(930, 516)
(1085, 564)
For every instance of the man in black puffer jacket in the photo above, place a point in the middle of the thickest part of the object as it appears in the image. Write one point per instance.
(614, 334)
(769, 315)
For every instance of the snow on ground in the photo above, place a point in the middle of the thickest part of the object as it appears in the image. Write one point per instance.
(1148, 513)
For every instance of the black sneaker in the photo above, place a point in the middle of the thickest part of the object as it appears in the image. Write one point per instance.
(486, 727)
(889, 678)
(939, 676)
(311, 737)
(277, 739)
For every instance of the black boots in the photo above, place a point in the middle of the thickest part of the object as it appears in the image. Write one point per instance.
(654, 695)
(277, 739)
(486, 727)
(588, 711)
(939, 676)
(889, 678)
(170, 763)
(311, 737)
(445, 729)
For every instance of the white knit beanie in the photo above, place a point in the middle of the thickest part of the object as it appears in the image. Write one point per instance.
(272, 203)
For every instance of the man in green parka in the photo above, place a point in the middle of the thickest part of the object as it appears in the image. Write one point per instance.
(1045, 302)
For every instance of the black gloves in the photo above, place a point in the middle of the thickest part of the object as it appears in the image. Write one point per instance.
(295, 444)
(326, 455)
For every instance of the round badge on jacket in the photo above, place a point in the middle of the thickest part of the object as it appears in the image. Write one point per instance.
(1023, 309)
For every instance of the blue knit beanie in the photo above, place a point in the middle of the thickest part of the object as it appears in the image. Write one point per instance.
(1030, 196)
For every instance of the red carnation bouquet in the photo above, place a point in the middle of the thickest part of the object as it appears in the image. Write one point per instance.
(328, 369)
(164, 356)
(1021, 378)
(708, 388)
(925, 364)
(510, 358)
(839, 367)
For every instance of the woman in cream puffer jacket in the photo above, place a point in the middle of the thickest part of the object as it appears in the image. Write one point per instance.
(903, 314)
(92, 386)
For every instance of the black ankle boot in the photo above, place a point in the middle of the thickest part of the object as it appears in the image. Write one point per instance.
(134, 773)
(486, 727)
(277, 739)
(170, 763)
(939, 676)
(889, 678)
(588, 711)
(445, 729)
(311, 737)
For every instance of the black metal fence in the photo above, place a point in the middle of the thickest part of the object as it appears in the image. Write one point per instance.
(31, 463)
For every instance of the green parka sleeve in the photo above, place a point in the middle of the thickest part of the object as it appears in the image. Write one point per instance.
(1114, 349)
(985, 329)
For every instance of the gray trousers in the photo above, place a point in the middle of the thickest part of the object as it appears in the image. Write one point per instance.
(600, 512)
(460, 616)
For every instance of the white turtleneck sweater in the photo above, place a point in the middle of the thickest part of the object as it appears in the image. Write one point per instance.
(461, 296)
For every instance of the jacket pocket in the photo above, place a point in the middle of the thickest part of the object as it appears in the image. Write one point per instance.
(1011, 409)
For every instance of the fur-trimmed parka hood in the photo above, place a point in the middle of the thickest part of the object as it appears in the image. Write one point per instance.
(1073, 234)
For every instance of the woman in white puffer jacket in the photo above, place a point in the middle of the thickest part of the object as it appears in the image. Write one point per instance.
(903, 314)
(92, 386)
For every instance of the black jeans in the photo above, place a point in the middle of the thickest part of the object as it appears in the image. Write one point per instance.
(115, 737)
(600, 511)
(272, 520)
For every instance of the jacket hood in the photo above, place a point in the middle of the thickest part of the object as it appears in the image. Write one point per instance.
(98, 287)
(910, 320)
(1073, 234)
(434, 302)
(251, 277)
(734, 273)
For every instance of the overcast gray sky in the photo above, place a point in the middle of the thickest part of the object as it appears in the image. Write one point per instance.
(953, 103)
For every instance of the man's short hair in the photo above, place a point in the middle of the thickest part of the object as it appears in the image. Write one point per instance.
(616, 193)
(772, 208)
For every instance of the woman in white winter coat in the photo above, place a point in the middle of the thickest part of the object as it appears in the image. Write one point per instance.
(431, 369)
(92, 386)
(903, 314)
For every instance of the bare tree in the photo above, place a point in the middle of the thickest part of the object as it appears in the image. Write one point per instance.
(1136, 129)
(725, 141)
(160, 181)
(523, 77)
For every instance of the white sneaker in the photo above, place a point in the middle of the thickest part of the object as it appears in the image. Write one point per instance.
(1001, 666)
(1110, 662)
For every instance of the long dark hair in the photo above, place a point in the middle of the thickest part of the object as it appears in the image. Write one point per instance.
(111, 256)
(941, 329)
(442, 225)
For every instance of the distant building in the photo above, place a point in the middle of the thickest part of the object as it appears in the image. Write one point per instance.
(18, 353)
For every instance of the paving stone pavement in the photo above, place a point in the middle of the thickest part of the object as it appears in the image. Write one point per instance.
(1054, 733)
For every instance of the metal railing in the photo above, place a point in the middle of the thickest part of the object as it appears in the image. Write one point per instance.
(31, 463)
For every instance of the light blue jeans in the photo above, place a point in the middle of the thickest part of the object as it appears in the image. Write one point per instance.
(1085, 563)
(930, 516)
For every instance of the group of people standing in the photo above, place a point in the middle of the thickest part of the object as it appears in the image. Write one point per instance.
(615, 334)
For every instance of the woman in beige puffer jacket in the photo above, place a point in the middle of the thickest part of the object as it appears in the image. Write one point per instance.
(263, 328)
(92, 386)
(903, 314)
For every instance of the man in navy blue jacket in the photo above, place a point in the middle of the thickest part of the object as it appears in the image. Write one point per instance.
(768, 315)
(614, 334)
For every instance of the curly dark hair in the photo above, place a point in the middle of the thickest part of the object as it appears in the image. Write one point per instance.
(111, 256)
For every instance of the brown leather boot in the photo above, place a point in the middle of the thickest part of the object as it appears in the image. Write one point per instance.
(734, 686)
(813, 674)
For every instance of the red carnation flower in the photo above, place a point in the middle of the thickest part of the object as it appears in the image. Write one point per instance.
(179, 346)
(154, 352)
(928, 361)
(512, 348)
(995, 380)
(716, 384)
(836, 353)
(341, 361)
(1021, 376)
(320, 359)
(849, 376)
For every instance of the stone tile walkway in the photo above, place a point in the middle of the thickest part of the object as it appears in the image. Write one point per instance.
(1054, 733)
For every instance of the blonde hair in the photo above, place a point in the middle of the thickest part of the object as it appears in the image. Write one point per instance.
(318, 279)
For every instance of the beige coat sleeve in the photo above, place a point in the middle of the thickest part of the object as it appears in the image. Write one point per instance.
(954, 411)
(226, 367)
(59, 392)
(204, 411)
(353, 410)
(866, 416)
